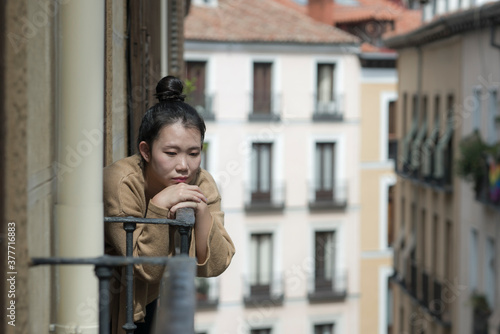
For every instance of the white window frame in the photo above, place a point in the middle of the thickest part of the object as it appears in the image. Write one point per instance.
(339, 260)
(385, 182)
(276, 139)
(339, 159)
(383, 291)
(335, 318)
(275, 230)
(385, 99)
(276, 86)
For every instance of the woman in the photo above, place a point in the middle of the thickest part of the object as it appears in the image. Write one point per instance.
(155, 183)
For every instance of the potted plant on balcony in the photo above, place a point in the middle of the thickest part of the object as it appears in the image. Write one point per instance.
(481, 311)
(478, 163)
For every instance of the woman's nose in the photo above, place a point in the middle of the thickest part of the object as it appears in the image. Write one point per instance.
(181, 163)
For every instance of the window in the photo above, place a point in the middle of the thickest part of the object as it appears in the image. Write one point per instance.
(435, 243)
(492, 132)
(444, 150)
(204, 156)
(325, 171)
(262, 88)
(324, 261)
(261, 331)
(393, 148)
(431, 142)
(196, 74)
(324, 329)
(390, 216)
(473, 257)
(477, 107)
(448, 255)
(261, 170)
(420, 139)
(261, 264)
(325, 99)
(490, 273)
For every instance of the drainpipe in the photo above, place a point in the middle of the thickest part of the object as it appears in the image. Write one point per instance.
(79, 207)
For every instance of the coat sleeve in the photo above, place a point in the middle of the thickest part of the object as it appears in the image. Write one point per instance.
(220, 246)
(124, 197)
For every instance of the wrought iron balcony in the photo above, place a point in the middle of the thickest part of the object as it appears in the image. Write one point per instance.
(333, 197)
(488, 187)
(265, 107)
(264, 293)
(328, 289)
(331, 110)
(177, 288)
(269, 198)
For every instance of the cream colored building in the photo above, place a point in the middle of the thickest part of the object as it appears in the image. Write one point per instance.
(379, 95)
(446, 246)
(283, 144)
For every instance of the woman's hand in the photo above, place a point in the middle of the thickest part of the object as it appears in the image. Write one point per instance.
(171, 197)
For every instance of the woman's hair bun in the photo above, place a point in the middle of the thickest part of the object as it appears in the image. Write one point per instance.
(170, 88)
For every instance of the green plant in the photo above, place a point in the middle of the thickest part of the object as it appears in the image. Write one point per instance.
(189, 88)
(480, 304)
(471, 164)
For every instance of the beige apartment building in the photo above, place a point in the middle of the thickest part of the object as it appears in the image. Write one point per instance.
(447, 229)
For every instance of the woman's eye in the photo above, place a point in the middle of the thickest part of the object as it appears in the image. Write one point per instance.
(194, 154)
(170, 153)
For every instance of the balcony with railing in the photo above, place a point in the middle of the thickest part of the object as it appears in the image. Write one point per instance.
(428, 160)
(177, 289)
(329, 110)
(328, 197)
(207, 292)
(264, 107)
(263, 292)
(264, 198)
(203, 103)
(331, 288)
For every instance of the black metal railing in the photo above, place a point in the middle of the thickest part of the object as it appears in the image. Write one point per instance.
(332, 197)
(330, 110)
(265, 107)
(328, 289)
(177, 302)
(259, 293)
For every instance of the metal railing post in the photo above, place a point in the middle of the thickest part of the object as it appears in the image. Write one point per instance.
(185, 215)
(129, 326)
(103, 273)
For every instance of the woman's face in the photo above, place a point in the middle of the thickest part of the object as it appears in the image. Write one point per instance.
(175, 156)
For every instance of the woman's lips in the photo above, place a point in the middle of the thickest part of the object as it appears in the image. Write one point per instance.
(180, 179)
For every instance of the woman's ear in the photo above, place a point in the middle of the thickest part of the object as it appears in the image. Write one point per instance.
(145, 151)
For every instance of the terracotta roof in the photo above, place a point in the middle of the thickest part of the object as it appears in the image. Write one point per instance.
(259, 21)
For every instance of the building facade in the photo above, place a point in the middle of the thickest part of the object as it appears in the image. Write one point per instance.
(447, 216)
(283, 129)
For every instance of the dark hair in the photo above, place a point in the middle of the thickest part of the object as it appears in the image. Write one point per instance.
(170, 109)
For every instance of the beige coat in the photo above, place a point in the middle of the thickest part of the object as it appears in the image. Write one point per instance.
(124, 196)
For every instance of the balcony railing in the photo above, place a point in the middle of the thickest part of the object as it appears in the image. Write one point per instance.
(334, 197)
(266, 293)
(265, 107)
(207, 292)
(203, 103)
(332, 110)
(177, 288)
(271, 198)
(328, 289)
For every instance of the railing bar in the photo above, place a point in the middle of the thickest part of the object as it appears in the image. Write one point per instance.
(103, 273)
(129, 326)
(106, 260)
(146, 221)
